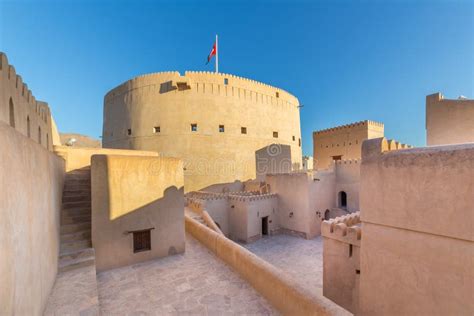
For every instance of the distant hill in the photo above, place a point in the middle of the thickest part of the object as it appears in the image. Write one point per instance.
(81, 140)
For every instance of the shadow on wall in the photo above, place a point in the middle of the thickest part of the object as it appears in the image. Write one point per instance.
(235, 186)
(167, 87)
(274, 158)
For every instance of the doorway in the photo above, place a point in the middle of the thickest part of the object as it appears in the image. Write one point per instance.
(265, 225)
(342, 199)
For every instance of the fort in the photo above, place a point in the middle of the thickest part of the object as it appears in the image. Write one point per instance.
(226, 118)
(200, 202)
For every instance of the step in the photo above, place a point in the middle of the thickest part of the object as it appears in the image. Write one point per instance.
(78, 211)
(78, 181)
(76, 204)
(78, 175)
(76, 259)
(76, 236)
(75, 245)
(73, 228)
(77, 187)
(66, 220)
(76, 198)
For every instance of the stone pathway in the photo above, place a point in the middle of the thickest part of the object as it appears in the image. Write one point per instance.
(302, 259)
(194, 283)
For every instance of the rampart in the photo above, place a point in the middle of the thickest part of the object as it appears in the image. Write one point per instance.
(231, 118)
(20, 109)
(287, 296)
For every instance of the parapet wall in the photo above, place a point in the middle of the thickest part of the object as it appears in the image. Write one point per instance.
(287, 296)
(344, 228)
(346, 127)
(20, 109)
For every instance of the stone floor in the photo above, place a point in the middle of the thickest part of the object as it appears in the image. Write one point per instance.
(302, 259)
(194, 283)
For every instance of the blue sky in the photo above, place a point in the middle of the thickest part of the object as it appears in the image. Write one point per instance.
(345, 60)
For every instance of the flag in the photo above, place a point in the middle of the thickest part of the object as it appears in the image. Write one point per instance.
(212, 53)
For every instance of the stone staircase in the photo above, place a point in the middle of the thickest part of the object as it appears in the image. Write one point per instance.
(76, 247)
(75, 290)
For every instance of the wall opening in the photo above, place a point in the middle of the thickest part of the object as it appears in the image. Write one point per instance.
(326, 215)
(47, 140)
(28, 129)
(275, 134)
(336, 158)
(194, 127)
(156, 129)
(342, 199)
(221, 129)
(39, 135)
(141, 240)
(243, 130)
(265, 225)
(129, 131)
(12, 113)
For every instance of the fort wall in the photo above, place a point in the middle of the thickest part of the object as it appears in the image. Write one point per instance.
(153, 202)
(344, 141)
(418, 238)
(347, 181)
(31, 182)
(214, 122)
(449, 121)
(20, 109)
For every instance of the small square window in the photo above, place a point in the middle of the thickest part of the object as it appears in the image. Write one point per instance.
(243, 130)
(141, 240)
(221, 129)
(129, 131)
(294, 138)
(275, 134)
(156, 129)
(194, 127)
(277, 94)
(226, 81)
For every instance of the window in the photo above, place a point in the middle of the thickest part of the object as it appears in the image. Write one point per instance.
(294, 138)
(275, 134)
(141, 240)
(47, 140)
(12, 113)
(28, 131)
(299, 142)
(221, 128)
(277, 94)
(243, 130)
(39, 134)
(357, 142)
(194, 127)
(129, 131)
(226, 81)
(156, 129)
(337, 157)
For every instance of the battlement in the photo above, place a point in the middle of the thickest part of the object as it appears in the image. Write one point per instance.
(40, 108)
(349, 126)
(376, 146)
(347, 161)
(344, 228)
(438, 97)
(252, 197)
(195, 78)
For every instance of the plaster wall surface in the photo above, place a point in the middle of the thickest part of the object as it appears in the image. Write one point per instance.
(134, 193)
(449, 121)
(345, 141)
(214, 122)
(348, 181)
(417, 221)
(78, 158)
(20, 109)
(31, 182)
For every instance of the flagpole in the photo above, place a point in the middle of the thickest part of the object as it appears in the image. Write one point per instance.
(217, 57)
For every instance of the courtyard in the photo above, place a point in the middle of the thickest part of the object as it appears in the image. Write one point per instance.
(193, 283)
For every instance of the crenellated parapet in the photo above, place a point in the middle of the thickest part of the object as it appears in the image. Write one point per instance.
(347, 162)
(344, 228)
(374, 147)
(20, 109)
(251, 198)
(350, 126)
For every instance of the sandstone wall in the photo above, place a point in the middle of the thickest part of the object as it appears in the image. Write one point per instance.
(348, 181)
(31, 182)
(134, 193)
(416, 212)
(135, 110)
(449, 121)
(20, 109)
(345, 141)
